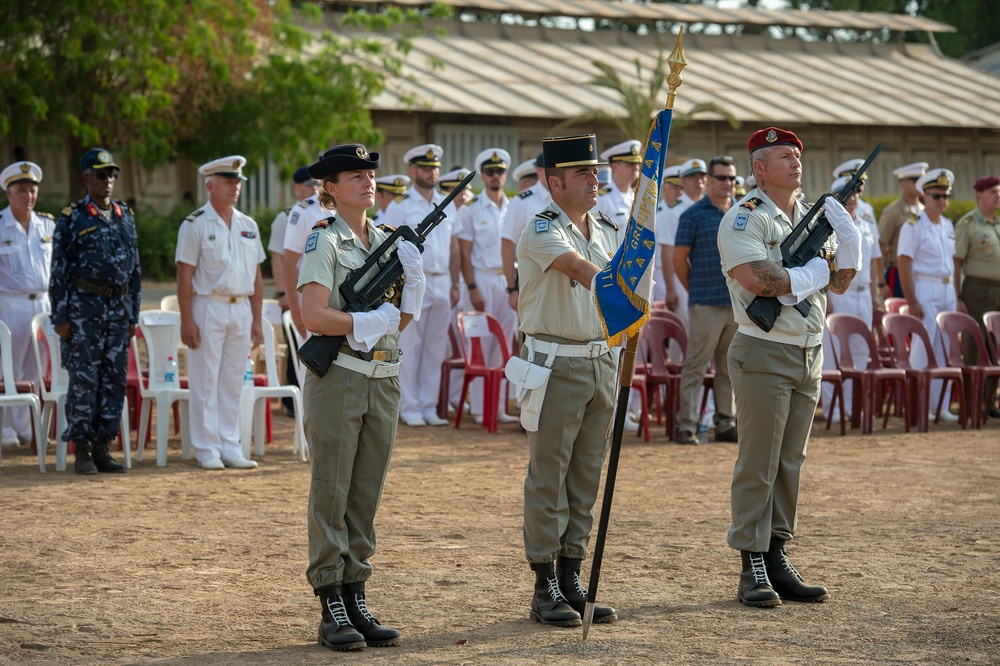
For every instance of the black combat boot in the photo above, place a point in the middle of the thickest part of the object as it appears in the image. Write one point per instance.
(548, 605)
(104, 462)
(568, 573)
(357, 611)
(335, 629)
(785, 580)
(84, 461)
(755, 588)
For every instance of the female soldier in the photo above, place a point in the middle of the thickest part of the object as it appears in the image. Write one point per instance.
(351, 413)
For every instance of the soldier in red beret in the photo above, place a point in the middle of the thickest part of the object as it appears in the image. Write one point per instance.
(776, 373)
(977, 256)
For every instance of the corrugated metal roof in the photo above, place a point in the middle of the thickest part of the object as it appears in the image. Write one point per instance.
(533, 72)
(677, 13)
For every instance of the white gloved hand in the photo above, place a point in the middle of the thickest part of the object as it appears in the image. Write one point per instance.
(806, 280)
(840, 220)
(369, 327)
(414, 283)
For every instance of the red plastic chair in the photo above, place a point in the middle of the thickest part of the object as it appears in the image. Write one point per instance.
(473, 327)
(834, 377)
(958, 327)
(868, 374)
(662, 369)
(991, 320)
(901, 330)
(455, 362)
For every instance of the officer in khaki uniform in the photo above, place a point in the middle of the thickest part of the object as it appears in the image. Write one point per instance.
(559, 254)
(776, 374)
(892, 219)
(351, 412)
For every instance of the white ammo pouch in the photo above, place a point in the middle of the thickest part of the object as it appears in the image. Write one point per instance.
(531, 381)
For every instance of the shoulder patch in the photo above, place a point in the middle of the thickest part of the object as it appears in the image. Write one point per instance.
(524, 195)
(604, 190)
(192, 216)
(751, 203)
(48, 215)
(312, 241)
(741, 221)
(543, 220)
(293, 218)
(607, 220)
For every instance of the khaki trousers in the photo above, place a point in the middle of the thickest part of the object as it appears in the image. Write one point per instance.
(350, 424)
(777, 388)
(710, 331)
(566, 455)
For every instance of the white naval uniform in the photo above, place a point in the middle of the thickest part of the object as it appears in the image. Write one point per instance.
(276, 243)
(480, 223)
(423, 344)
(225, 261)
(672, 219)
(932, 249)
(301, 219)
(857, 301)
(522, 208)
(660, 231)
(615, 204)
(25, 262)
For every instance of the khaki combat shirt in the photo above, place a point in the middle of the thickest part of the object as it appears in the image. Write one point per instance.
(753, 231)
(889, 224)
(331, 254)
(550, 303)
(977, 244)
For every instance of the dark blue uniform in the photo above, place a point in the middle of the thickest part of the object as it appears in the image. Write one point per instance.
(95, 288)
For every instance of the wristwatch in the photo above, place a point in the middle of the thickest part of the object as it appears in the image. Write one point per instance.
(511, 290)
(470, 285)
(279, 294)
(881, 284)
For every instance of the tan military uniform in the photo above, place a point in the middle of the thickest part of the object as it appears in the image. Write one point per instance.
(776, 377)
(567, 451)
(350, 423)
(892, 219)
(977, 244)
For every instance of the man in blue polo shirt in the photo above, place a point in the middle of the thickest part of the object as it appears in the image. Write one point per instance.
(711, 326)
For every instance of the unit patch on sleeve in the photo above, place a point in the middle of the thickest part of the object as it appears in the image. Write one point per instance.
(312, 241)
(741, 222)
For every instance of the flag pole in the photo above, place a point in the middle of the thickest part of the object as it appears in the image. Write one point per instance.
(626, 368)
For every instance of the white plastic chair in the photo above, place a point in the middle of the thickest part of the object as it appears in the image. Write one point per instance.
(10, 397)
(252, 417)
(47, 346)
(295, 341)
(160, 330)
(169, 303)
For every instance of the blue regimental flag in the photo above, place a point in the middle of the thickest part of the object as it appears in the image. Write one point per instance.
(624, 288)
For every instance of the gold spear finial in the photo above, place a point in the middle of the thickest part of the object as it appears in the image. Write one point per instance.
(676, 61)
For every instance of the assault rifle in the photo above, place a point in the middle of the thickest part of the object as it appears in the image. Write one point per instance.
(764, 310)
(319, 351)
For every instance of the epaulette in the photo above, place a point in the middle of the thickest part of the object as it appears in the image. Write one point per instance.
(192, 216)
(677, 202)
(524, 195)
(912, 219)
(604, 190)
(305, 203)
(386, 228)
(48, 215)
(472, 200)
(751, 203)
(322, 224)
(543, 219)
(607, 220)
(402, 197)
(68, 210)
(287, 210)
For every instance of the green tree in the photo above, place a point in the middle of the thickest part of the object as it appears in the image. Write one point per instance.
(640, 102)
(159, 79)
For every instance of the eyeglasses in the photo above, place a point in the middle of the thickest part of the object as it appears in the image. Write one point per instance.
(494, 172)
(105, 175)
(938, 197)
(721, 178)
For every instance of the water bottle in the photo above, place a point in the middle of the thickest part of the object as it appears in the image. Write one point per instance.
(248, 375)
(703, 428)
(170, 371)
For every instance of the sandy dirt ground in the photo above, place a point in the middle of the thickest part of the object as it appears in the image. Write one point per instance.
(183, 566)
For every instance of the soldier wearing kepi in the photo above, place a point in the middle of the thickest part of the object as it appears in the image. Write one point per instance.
(25, 258)
(560, 253)
(220, 293)
(776, 373)
(95, 290)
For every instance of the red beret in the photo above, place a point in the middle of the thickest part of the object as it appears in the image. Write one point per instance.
(772, 136)
(985, 183)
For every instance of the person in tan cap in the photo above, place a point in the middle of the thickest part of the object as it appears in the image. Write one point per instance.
(892, 218)
(776, 373)
(25, 258)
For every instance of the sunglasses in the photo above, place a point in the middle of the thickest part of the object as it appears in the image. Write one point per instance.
(938, 197)
(494, 172)
(721, 178)
(105, 175)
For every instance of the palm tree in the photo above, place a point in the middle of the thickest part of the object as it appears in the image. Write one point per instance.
(641, 102)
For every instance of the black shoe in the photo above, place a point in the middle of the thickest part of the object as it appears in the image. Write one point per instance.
(84, 463)
(335, 629)
(755, 589)
(103, 461)
(686, 437)
(568, 573)
(730, 435)
(357, 611)
(785, 580)
(994, 413)
(548, 605)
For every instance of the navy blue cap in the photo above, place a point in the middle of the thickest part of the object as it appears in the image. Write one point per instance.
(97, 158)
(349, 157)
(302, 175)
(540, 160)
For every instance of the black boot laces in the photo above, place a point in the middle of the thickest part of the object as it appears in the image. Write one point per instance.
(359, 600)
(758, 569)
(338, 611)
(554, 592)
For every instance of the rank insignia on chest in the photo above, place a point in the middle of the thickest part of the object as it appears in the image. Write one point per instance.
(248, 234)
(295, 218)
(211, 237)
(751, 203)
(312, 241)
(741, 222)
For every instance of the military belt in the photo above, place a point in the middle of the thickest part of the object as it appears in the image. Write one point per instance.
(99, 290)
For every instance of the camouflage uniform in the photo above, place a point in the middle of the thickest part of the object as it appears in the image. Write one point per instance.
(95, 288)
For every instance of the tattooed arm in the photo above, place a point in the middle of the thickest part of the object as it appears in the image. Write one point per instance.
(763, 278)
(840, 280)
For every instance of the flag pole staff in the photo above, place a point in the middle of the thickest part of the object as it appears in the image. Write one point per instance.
(626, 368)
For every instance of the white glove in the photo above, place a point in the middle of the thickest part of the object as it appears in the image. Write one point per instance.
(806, 280)
(840, 220)
(369, 327)
(414, 283)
